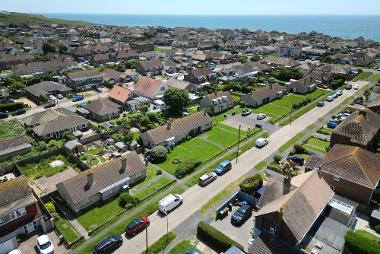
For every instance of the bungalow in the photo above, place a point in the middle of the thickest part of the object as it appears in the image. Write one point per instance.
(264, 95)
(14, 147)
(201, 75)
(119, 95)
(9, 60)
(136, 103)
(33, 68)
(142, 46)
(52, 123)
(20, 214)
(177, 130)
(84, 80)
(301, 86)
(103, 182)
(352, 172)
(181, 84)
(100, 59)
(360, 129)
(123, 55)
(149, 67)
(375, 105)
(81, 53)
(103, 109)
(218, 101)
(45, 88)
(280, 61)
(149, 88)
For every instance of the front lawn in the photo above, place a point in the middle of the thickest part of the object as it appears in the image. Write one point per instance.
(150, 175)
(43, 167)
(374, 77)
(361, 76)
(11, 129)
(195, 150)
(67, 230)
(290, 142)
(152, 188)
(317, 145)
(325, 131)
(221, 136)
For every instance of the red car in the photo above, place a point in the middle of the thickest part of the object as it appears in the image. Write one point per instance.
(137, 226)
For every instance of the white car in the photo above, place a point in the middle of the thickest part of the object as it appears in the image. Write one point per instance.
(356, 87)
(330, 98)
(44, 245)
(207, 178)
(261, 116)
(52, 97)
(15, 251)
(261, 142)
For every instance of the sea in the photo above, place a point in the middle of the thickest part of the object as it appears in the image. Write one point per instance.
(346, 27)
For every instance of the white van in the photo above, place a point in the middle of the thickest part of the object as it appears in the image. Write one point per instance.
(169, 203)
(261, 142)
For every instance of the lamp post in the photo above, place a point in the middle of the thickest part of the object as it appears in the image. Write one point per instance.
(238, 145)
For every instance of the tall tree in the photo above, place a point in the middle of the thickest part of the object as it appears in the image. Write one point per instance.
(176, 99)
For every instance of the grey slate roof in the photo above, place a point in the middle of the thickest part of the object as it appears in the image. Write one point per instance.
(46, 87)
(15, 193)
(14, 144)
(103, 107)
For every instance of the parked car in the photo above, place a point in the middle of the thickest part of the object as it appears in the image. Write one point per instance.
(15, 251)
(3, 115)
(296, 159)
(332, 124)
(261, 116)
(334, 95)
(339, 92)
(241, 215)
(109, 244)
(207, 179)
(60, 96)
(261, 142)
(18, 112)
(356, 87)
(77, 98)
(50, 104)
(348, 86)
(44, 245)
(52, 97)
(137, 226)
(246, 112)
(169, 203)
(321, 104)
(223, 167)
(330, 98)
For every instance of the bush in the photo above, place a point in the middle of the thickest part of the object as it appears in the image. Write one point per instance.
(127, 199)
(377, 229)
(160, 244)
(362, 242)
(185, 168)
(216, 238)
(51, 207)
(11, 106)
(159, 172)
(251, 184)
(159, 154)
(277, 158)
(299, 149)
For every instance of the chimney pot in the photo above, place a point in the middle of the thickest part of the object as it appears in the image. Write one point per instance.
(123, 165)
(169, 126)
(90, 178)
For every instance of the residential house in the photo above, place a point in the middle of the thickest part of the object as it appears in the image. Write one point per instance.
(53, 123)
(34, 68)
(177, 130)
(120, 95)
(352, 172)
(112, 76)
(290, 50)
(102, 182)
(301, 86)
(123, 55)
(218, 101)
(9, 60)
(136, 103)
(20, 214)
(200, 75)
(84, 80)
(103, 109)
(360, 129)
(149, 88)
(82, 53)
(100, 59)
(14, 147)
(170, 67)
(149, 67)
(264, 95)
(142, 46)
(375, 105)
(181, 84)
(45, 88)
(280, 61)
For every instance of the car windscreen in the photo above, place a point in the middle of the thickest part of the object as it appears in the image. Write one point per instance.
(45, 245)
(135, 223)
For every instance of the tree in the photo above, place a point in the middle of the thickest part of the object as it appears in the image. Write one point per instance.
(288, 168)
(251, 184)
(127, 199)
(43, 98)
(68, 135)
(159, 154)
(62, 49)
(47, 47)
(176, 99)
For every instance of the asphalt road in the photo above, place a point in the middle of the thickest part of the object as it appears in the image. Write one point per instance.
(196, 197)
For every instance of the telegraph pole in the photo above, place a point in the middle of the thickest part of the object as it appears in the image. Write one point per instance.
(291, 111)
(146, 239)
(238, 145)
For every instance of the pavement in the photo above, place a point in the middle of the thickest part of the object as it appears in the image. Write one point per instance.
(196, 196)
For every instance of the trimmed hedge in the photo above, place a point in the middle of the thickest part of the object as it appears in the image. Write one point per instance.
(216, 238)
(11, 106)
(251, 184)
(184, 168)
(362, 242)
(160, 244)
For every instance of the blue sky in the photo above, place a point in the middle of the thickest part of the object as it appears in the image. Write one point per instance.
(207, 7)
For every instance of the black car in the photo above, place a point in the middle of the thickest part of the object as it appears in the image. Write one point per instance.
(108, 245)
(246, 112)
(3, 115)
(321, 104)
(241, 215)
(18, 112)
(50, 104)
(296, 159)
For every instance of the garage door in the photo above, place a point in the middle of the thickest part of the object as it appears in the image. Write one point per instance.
(9, 245)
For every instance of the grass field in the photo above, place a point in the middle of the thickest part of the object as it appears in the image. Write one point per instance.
(21, 18)
(195, 149)
(11, 129)
(316, 144)
(152, 188)
(361, 76)
(374, 77)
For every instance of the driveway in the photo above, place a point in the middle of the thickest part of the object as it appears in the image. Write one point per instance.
(249, 122)
(29, 245)
(196, 196)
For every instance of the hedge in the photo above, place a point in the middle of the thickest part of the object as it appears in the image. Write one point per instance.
(362, 242)
(11, 106)
(185, 168)
(216, 238)
(251, 184)
(160, 244)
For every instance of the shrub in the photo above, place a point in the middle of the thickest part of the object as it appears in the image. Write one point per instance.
(11, 106)
(299, 149)
(251, 184)
(377, 229)
(159, 154)
(51, 207)
(362, 242)
(159, 172)
(277, 158)
(185, 168)
(127, 199)
(176, 160)
(216, 238)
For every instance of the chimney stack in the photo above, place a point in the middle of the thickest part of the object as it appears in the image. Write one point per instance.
(123, 165)
(287, 184)
(90, 178)
(169, 125)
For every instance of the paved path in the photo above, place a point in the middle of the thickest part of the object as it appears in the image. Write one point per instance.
(196, 196)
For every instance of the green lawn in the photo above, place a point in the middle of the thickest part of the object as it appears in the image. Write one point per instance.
(303, 155)
(221, 136)
(11, 129)
(150, 175)
(326, 131)
(374, 77)
(361, 76)
(91, 153)
(42, 168)
(291, 142)
(195, 149)
(182, 247)
(317, 144)
(160, 245)
(152, 188)
(68, 232)
(261, 165)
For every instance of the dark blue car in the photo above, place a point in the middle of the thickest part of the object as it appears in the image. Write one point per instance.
(223, 167)
(332, 124)
(108, 245)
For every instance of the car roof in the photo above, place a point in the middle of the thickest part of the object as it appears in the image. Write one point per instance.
(43, 239)
(226, 162)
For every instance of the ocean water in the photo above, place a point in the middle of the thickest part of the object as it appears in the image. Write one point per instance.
(347, 27)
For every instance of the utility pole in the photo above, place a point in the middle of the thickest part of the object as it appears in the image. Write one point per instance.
(167, 229)
(238, 145)
(290, 116)
(146, 239)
